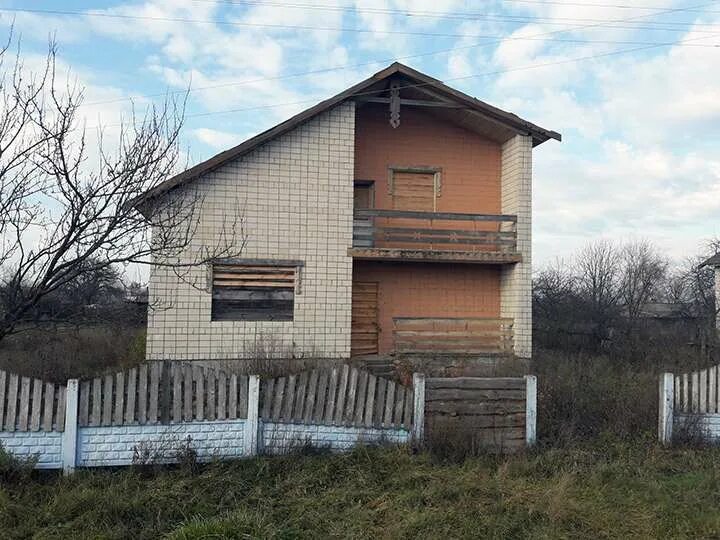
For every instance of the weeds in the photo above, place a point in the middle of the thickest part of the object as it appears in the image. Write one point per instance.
(14, 469)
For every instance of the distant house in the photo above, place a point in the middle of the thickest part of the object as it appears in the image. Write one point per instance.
(394, 217)
(714, 262)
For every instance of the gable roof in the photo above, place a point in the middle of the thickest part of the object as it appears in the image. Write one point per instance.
(712, 261)
(371, 86)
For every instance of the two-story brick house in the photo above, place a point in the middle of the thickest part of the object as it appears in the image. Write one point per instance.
(393, 217)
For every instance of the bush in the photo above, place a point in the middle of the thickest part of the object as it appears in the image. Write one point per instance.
(14, 469)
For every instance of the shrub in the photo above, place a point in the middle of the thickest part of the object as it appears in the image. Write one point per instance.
(14, 469)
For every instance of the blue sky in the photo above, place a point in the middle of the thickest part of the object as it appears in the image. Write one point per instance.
(634, 87)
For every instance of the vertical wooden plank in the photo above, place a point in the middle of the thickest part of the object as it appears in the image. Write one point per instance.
(119, 398)
(199, 378)
(408, 408)
(3, 408)
(341, 394)
(211, 391)
(370, 400)
(717, 388)
(24, 411)
(244, 396)
(37, 386)
(49, 403)
(130, 401)
(320, 396)
(712, 388)
(154, 391)
(187, 392)
(300, 396)
(379, 401)
(268, 386)
(332, 391)
(176, 373)
(360, 398)
(60, 413)
(96, 413)
(686, 393)
(310, 396)
(278, 398)
(389, 404)
(222, 396)
(84, 403)
(165, 397)
(695, 392)
(703, 391)
(232, 397)
(12, 393)
(350, 399)
(142, 394)
(399, 401)
(289, 400)
(678, 397)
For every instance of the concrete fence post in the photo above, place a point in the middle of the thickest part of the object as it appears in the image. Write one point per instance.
(665, 411)
(418, 427)
(530, 410)
(69, 436)
(252, 425)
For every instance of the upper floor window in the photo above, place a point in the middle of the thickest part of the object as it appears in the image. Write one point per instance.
(414, 188)
(254, 291)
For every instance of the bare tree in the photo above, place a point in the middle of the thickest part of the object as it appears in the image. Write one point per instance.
(61, 216)
(643, 274)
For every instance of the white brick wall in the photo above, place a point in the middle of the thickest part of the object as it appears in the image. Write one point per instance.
(278, 438)
(516, 280)
(717, 297)
(112, 446)
(295, 194)
(45, 444)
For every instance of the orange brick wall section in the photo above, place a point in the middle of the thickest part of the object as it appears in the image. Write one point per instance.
(429, 290)
(470, 183)
(470, 163)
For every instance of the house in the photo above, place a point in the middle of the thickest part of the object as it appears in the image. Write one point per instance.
(714, 263)
(394, 217)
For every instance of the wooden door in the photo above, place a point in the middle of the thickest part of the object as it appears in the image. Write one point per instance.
(364, 327)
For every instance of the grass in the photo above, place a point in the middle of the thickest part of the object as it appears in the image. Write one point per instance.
(605, 490)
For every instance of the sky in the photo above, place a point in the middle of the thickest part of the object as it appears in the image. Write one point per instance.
(633, 86)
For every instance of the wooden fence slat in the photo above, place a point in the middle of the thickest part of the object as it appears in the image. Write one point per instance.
(24, 411)
(389, 404)
(300, 396)
(289, 398)
(341, 394)
(676, 393)
(703, 391)
(408, 408)
(199, 378)
(96, 411)
(130, 401)
(233, 397)
(154, 391)
(695, 392)
(37, 386)
(360, 398)
(60, 412)
(84, 403)
(222, 396)
(11, 415)
(211, 391)
(119, 398)
(177, 395)
(717, 388)
(310, 396)
(370, 401)
(278, 398)
(712, 388)
(3, 382)
(397, 419)
(142, 398)
(268, 387)
(686, 393)
(379, 401)
(187, 393)
(321, 396)
(350, 399)
(243, 393)
(49, 403)
(332, 392)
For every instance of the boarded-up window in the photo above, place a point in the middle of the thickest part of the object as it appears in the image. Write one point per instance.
(414, 190)
(363, 195)
(253, 292)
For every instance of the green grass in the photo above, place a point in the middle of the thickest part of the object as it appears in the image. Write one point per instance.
(609, 490)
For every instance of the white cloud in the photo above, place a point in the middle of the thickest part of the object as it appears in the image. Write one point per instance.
(219, 140)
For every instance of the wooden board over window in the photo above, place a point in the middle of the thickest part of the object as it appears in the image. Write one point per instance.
(364, 327)
(253, 292)
(414, 189)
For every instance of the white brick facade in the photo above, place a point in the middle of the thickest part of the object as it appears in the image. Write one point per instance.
(717, 298)
(516, 280)
(295, 196)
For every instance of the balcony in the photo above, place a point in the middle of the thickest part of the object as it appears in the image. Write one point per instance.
(434, 237)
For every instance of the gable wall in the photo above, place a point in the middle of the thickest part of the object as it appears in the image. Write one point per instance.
(295, 196)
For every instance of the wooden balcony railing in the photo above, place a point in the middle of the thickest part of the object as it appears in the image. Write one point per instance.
(490, 237)
(453, 335)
